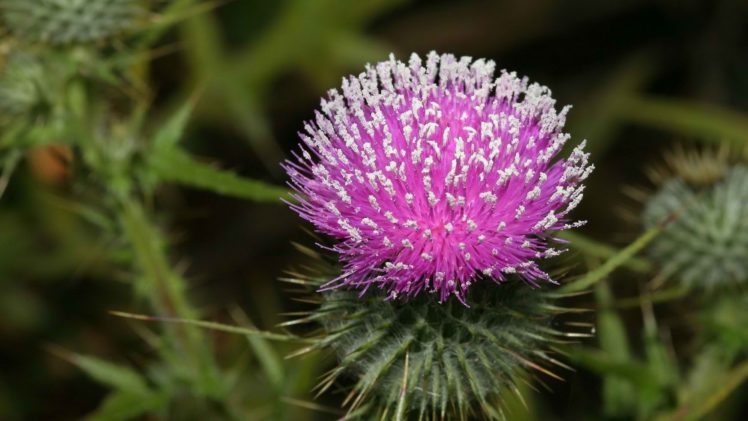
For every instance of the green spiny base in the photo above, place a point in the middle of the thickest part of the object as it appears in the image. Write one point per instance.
(431, 360)
(697, 167)
(707, 243)
(69, 21)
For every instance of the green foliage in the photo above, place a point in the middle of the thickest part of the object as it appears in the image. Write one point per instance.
(319, 39)
(614, 260)
(79, 100)
(435, 361)
(115, 376)
(177, 166)
(121, 406)
(167, 162)
(618, 395)
(709, 123)
(596, 249)
(170, 133)
(131, 395)
(726, 320)
(70, 21)
(634, 387)
(706, 245)
(711, 380)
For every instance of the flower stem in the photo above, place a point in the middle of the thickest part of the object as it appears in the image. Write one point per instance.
(166, 290)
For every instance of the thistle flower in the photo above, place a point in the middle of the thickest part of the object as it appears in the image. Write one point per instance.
(21, 85)
(434, 176)
(707, 245)
(69, 21)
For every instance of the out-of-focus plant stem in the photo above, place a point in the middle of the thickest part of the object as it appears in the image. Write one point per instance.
(9, 165)
(168, 16)
(166, 289)
(701, 408)
(612, 263)
(652, 297)
(597, 249)
(169, 298)
(710, 123)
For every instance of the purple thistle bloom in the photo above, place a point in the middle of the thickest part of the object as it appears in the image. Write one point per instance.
(434, 176)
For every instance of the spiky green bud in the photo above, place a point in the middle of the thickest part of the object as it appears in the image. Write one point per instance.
(21, 86)
(69, 21)
(434, 360)
(706, 243)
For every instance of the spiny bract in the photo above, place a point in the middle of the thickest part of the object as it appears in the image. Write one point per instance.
(706, 243)
(435, 175)
(431, 360)
(697, 167)
(69, 21)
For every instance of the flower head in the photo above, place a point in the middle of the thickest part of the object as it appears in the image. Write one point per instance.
(433, 176)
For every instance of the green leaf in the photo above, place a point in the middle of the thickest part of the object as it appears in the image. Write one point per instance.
(619, 396)
(696, 407)
(166, 289)
(177, 166)
(616, 260)
(271, 363)
(163, 284)
(107, 373)
(203, 47)
(9, 163)
(652, 297)
(659, 358)
(88, 213)
(602, 363)
(126, 406)
(171, 132)
(708, 122)
(175, 12)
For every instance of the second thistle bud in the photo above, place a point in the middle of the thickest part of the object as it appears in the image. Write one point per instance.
(69, 21)
(706, 245)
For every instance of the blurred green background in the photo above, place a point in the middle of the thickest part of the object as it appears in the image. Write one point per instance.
(642, 76)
